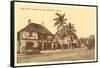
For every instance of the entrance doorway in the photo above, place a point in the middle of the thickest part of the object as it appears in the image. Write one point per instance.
(29, 45)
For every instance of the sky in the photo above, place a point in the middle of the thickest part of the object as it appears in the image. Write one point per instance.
(83, 17)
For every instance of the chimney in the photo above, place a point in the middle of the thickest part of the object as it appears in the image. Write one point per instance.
(42, 23)
(29, 21)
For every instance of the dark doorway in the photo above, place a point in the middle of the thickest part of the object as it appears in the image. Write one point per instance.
(29, 45)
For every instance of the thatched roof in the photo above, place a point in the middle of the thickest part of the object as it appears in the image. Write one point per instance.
(35, 28)
(61, 33)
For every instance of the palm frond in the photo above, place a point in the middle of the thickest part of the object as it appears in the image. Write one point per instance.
(74, 30)
(69, 25)
(57, 19)
(64, 19)
(59, 26)
(64, 22)
(63, 15)
(56, 23)
(58, 14)
(72, 24)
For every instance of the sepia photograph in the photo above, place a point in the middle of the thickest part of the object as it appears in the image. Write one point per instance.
(47, 33)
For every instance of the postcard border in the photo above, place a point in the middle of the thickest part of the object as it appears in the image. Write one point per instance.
(12, 49)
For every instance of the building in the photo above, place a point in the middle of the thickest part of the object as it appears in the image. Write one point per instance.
(33, 37)
(64, 40)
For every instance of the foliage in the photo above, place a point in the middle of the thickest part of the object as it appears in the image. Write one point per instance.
(88, 41)
(62, 27)
(71, 27)
(60, 21)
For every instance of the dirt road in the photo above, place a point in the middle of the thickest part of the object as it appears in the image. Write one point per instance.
(58, 55)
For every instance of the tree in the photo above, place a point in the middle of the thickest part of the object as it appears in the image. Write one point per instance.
(88, 41)
(70, 28)
(71, 31)
(91, 41)
(60, 23)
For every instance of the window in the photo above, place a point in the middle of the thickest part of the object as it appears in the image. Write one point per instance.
(30, 34)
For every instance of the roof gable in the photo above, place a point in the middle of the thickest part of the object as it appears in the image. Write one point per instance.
(36, 28)
(62, 33)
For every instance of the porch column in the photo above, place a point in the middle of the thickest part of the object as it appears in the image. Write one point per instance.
(55, 46)
(42, 45)
(68, 45)
(52, 45)
(22, 46)
(71, 44)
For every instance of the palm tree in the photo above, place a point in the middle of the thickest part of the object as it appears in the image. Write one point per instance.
(70, 28)
(60, 23)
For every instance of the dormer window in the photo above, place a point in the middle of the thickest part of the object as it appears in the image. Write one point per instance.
(33, 34)
(30, 34)
(27, 34)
